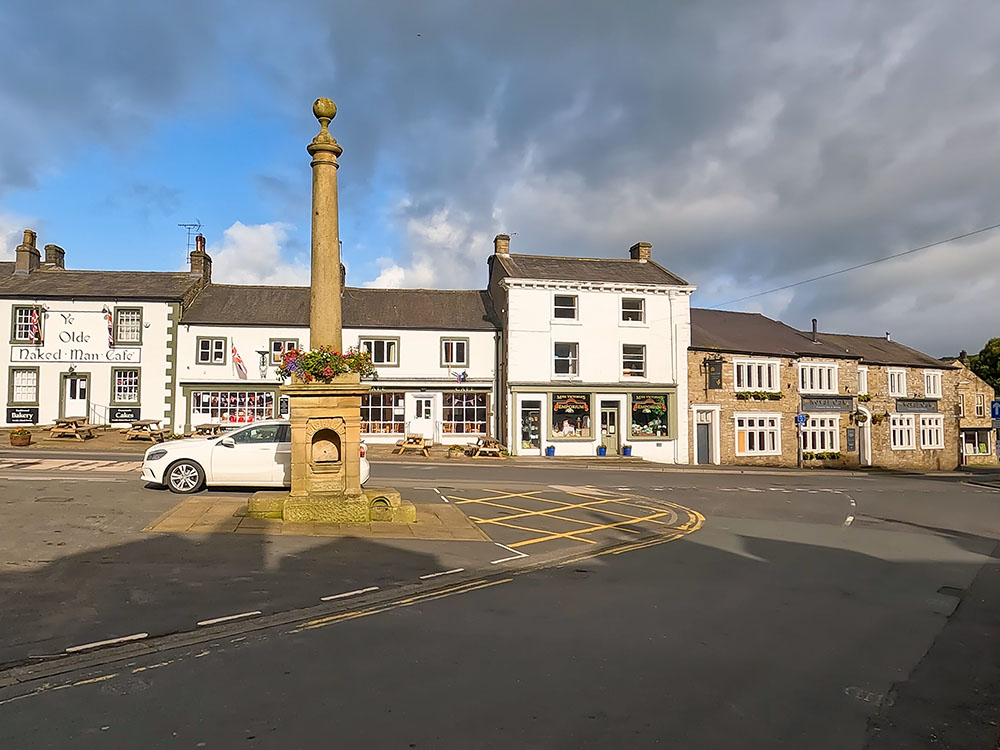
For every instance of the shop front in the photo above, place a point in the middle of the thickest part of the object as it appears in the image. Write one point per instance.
(453, 416)
(226, 405)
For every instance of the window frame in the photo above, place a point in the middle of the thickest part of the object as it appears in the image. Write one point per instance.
(589, 398)
(978, 430)
(203, 412)
(385, 340)
(816, 431)
(445, 340)
(448, 425)
(863, 377)
(622, 311)
(627, 374)
(280, 340)
(833, 376)
(211, 360)
(746, 429)
(909, 425)
(10, 385)
(576, 308)
(933, 375)
(398, 402)
(900, 371)
(755, 362)
(13, 325)
(574, 359)
(117, 338)
(937, 427)
(112, 400)
(980, 404)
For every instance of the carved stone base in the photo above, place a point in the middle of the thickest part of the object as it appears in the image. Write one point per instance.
(374, 504)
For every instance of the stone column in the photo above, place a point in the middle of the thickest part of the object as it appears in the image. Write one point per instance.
(325, 286)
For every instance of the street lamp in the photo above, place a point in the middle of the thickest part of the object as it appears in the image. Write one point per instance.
(262, 364)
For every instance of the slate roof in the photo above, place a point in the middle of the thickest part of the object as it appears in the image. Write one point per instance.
(753, 333)
(610, 270)
(45, 283)
(876, 350)
(229, 304)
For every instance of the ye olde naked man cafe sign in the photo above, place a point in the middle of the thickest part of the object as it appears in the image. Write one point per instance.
(75, 338)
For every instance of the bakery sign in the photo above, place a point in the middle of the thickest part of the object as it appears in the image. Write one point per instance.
(75, 338)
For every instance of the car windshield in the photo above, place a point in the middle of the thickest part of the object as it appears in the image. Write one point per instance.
(265, 433)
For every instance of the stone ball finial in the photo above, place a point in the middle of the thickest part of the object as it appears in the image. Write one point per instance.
(324, 108)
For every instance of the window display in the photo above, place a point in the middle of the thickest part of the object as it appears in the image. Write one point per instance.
(382, 413)
(650, 415)
(231, 407)
(571, 415)
(464, 413)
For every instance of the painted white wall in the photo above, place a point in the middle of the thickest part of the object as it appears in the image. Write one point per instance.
(76, 334)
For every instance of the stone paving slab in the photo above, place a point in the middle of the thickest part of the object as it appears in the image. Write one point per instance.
(225, 515)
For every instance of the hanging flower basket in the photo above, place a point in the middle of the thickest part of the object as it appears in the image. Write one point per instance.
(324, 364)
(860, 417)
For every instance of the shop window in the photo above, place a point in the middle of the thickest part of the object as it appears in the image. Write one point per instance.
(382, 413)
(571, 415)
(231, 407)
(125, 386)
(976, 442)
(464, 414)
(931, 431)
(821, 434)
(650, 415)
(24, 385)
(901, 432)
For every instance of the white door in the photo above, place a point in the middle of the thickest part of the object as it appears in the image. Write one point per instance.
(251, 461)
(75, 400)
(423, 417)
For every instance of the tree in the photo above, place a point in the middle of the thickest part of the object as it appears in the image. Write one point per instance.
(986, 364)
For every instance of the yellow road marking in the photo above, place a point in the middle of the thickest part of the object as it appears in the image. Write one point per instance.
(624, 501)
(587, 531)
(526, 495)
(502, 520)
(563, 507)
(567, 535)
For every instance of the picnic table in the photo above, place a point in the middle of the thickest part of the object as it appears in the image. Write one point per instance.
(412, 443)
(484, 446)
(208, 430)
(75, 427)
(145, 429)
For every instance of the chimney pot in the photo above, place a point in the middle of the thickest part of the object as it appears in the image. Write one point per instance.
(26, 255)
(888, 337)
(201, 261)
(815, 330)
(641, 251)
(501, 244)
(55, 257)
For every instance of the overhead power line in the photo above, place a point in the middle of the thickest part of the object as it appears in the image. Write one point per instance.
(859, 265)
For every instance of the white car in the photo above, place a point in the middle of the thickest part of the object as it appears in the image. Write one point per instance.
(258, 455)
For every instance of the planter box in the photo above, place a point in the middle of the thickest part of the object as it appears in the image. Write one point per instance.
(20, 440)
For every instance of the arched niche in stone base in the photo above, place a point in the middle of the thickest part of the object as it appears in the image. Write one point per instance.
(326, 439)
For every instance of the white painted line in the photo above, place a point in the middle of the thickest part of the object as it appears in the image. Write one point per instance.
(347, 594)
(516, 556)
(439, 494)
(227, 618)
(109, 642)
(854, 509)
(442, 573)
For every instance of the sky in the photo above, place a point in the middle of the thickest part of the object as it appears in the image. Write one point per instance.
(753, 144)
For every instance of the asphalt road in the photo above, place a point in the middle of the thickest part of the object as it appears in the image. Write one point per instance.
(808, 611)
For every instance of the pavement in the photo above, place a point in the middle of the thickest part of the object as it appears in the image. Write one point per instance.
(613, 607)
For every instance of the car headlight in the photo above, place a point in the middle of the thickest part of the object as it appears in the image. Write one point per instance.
(156, 455)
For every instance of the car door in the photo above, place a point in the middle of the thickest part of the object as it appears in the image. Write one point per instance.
(283, 463)
(250, 460)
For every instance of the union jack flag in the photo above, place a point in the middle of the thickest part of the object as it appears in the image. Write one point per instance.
(109, 319)
(35, 325)
(238, 361)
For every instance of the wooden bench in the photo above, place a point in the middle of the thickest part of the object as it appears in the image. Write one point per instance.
(485, 446)
(75, 427)
(412, 443)
(207, 430)
(146, 429)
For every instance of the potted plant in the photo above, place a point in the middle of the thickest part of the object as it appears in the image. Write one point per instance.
(20, 437)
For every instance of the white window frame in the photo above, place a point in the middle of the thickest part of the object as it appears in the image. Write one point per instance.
(573, 358)
(21, 327)
(820, 429)
(370, 345)
(453, 361)
(813, 374)
(757, 424)
(18, 373)
(961, 404)
(931, 431)
(641, 311)
(576, 308)
(980, 404)
(862, 381)
(123, 391)
(900, 373)
(902, 426)
(631, 374)
(932, 378)
(128, 331)
(749, 375)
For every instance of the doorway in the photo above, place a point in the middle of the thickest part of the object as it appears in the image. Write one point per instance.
(865, 437)
(423, 417)
(75, 395)
(531, 424)
(703, 437)
(706, 435)
(609, 426)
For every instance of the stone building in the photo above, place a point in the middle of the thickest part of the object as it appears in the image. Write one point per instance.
(977, 438)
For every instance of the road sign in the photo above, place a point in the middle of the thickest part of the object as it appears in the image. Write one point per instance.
(995, 409)
(800, 419)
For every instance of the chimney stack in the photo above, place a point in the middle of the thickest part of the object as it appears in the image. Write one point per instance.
(26, 256)
(815, 331)
(55, 257)
(201, 261)
(641, 251)
(887, 336)
(501, 244)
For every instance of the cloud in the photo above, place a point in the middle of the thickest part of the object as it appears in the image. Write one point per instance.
(11, 233)
(253, 255)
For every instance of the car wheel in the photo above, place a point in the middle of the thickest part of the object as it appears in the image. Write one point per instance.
(185, 477)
